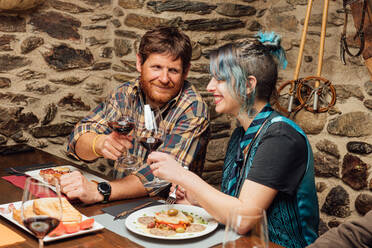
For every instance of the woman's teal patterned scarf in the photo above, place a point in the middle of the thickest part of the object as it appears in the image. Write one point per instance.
(245, 141)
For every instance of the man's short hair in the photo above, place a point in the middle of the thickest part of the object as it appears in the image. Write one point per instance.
(166, 40)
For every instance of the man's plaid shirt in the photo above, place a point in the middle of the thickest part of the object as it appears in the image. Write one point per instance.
(186, 118)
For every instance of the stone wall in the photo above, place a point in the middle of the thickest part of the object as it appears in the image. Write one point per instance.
(59, 60)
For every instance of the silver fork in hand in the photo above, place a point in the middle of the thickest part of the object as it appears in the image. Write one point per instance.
(172, 198)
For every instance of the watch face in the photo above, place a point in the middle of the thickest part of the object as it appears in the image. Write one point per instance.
(105, 187)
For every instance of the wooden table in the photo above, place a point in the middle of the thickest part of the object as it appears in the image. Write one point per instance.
(103, 238)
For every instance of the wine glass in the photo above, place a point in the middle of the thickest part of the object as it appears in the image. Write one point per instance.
(121, 119)
(37, 193)
(249, 222)
(151, 136)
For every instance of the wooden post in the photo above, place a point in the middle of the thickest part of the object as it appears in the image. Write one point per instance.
(303, 39)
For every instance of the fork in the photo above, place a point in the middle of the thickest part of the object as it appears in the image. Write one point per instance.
(172, 197)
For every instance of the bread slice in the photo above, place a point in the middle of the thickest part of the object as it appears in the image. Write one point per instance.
(48, 206)
(28, 212)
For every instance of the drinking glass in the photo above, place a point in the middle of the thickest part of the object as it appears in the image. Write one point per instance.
(49, 218)
(151, 136)
(121, 119)
(248, 222)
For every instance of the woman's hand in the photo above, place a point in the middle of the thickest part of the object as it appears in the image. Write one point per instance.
(113, 145)
(190, 199)
(180, 192)
(183, 197)
(166, 167)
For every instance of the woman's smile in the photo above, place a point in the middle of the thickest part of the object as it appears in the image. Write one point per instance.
(217, 99)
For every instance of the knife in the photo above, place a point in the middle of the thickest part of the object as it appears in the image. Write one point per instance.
(126, 212)
(21, 170)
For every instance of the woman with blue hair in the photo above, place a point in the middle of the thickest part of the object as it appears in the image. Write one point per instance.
(269, 162)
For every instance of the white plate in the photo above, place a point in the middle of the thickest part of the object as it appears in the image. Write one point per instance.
(35, 174)
(133, 225)
(96, 226)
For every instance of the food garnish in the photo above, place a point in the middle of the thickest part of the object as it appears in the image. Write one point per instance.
(171, 222)
(50, 174)
(172, 212)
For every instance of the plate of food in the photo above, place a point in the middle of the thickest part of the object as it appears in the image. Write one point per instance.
(73, 222)
(178, 222)
(48, 174)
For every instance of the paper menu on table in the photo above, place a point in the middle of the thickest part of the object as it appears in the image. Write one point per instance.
(9, 237)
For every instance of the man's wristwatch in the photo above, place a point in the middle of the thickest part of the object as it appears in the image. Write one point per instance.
(105, 189)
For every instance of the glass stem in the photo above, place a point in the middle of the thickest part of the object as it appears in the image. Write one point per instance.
(41, 243)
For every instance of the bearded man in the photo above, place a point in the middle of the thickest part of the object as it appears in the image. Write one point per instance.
(163, 62)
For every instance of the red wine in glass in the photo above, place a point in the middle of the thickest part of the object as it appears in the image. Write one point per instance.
(122, 126)
(150, 143)
(41, 225)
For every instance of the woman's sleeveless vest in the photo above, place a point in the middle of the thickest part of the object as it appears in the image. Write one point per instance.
(292, 220)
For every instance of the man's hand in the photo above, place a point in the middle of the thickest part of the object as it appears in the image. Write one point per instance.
(113, 145)
(76, 186)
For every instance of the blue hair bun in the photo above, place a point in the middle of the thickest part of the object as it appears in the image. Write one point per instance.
(272, 41)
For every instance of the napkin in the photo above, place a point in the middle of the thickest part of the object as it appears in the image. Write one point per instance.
(19, 181)
(9, 237)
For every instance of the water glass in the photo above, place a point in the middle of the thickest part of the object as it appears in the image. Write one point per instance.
(248, 222)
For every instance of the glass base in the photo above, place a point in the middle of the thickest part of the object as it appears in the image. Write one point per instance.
(122, 172)
(125, 166)
(156, 183)
(128, 160)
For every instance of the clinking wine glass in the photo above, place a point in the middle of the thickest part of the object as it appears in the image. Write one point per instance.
(38, 192)
(122, 121)
(248, 222)
(151, 137)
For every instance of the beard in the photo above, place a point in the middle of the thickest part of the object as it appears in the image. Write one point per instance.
(159, 97)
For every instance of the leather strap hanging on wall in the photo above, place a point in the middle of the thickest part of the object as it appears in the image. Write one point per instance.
(360, 32)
